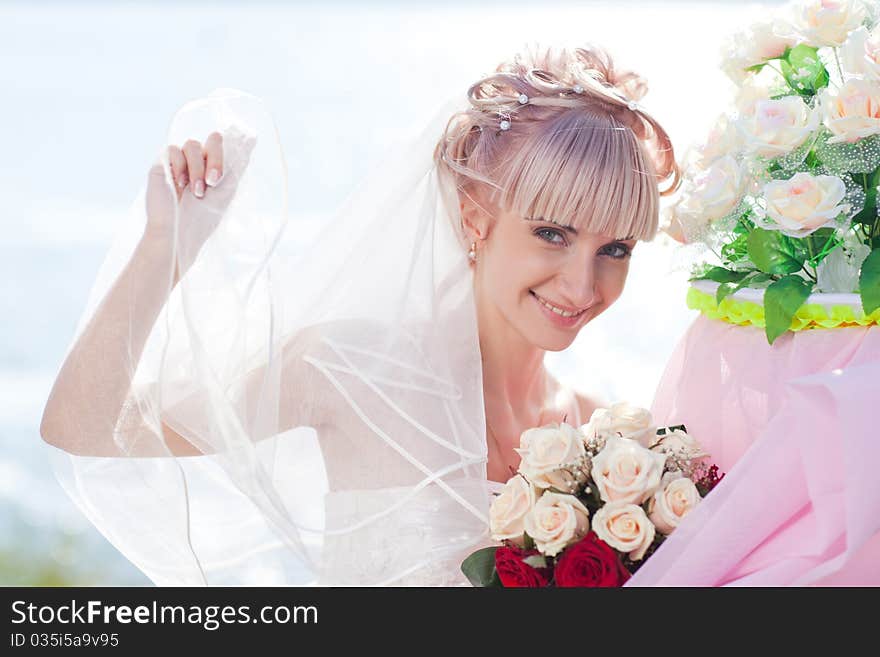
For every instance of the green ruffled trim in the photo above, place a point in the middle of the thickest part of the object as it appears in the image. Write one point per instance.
(749, 313)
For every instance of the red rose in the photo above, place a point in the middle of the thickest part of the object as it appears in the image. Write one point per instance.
(590, 562)
(514, 572)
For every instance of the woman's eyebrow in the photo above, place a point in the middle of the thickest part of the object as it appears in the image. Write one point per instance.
(570, 229)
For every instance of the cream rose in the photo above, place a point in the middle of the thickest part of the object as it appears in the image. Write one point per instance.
(777, 127)
(625, 471)
(755, 45)
(621, 419)
(852, 111)
(509, 510)
(680, 444)
(625, 527)
(676, 226)
(827, 22)
(556, 521)
(550, 455)
(684, 220)
(712, 193)
(804, 203)
(676, 497)
(723, 139)
(752, 92)
(861, 53)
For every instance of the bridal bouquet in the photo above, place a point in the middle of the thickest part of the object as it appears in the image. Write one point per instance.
(783, 191)
(589, 505)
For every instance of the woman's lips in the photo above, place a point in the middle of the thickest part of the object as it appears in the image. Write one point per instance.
(556, 318)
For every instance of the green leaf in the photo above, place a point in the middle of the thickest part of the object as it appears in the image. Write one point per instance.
(737, 249)
(774, 253)
(868, 214)
(721, 275)
(869, 282)
(479, 568)
(726, 289)
(782, 299)
(803, 70)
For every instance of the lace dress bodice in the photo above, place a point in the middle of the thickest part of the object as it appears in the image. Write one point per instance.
(425, 526)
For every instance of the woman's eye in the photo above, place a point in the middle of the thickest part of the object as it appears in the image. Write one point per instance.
(616, 250)
(548, 235)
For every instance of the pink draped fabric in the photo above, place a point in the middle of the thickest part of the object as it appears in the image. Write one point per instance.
(794, 425)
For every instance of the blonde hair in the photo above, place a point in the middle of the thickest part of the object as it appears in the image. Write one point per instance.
(578, 151)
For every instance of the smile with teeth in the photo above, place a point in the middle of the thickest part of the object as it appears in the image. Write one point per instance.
(558, 311)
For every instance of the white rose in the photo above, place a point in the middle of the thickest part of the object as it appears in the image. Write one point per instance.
(676, 498)
(861, 53)
(621, 419)
(676, 226)
(755, 45)
(777, 127)
(827, 22)
(752, 92)
(839, 271)
(551, 455)
(804, 203)
(680, 444)
(556, 521)
(852, 111)
(712, 193)
(625, 471)
(509, 510)
(625, 527)
(723, 139)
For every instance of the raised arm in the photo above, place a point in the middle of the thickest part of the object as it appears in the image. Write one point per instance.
(92, 391)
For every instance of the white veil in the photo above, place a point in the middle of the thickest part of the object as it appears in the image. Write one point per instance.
(335, 395)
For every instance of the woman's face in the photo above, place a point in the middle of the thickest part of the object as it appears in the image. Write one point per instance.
(526, 265)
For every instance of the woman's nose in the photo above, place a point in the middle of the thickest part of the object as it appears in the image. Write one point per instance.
(579, 283)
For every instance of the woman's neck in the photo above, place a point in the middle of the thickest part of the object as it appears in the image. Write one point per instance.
(514, 378)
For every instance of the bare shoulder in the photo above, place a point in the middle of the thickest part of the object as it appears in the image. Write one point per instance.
(575, 400)
(586, 405)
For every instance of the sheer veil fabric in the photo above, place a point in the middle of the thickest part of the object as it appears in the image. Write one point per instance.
(335, 395)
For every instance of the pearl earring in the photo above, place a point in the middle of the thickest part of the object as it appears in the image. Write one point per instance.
(472, 254)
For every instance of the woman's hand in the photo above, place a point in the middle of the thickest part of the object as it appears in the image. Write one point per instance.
(198, 165)
(188, 201)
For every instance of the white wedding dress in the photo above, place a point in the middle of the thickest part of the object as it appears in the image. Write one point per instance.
(421, 529)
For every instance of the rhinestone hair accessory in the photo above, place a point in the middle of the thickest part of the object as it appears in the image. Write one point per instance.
(505, 123)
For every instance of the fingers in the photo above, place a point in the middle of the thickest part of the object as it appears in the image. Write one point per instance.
(195, 163)
(178, 166)
(214, 158)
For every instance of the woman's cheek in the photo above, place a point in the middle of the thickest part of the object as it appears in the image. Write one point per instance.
(612, 280)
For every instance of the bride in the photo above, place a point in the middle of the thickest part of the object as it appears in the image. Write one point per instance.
(340, 415)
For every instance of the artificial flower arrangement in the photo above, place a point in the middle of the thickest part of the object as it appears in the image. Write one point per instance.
(783, 192)
(589, 505)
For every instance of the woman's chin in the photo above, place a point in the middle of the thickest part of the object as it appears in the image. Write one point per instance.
(552, 339)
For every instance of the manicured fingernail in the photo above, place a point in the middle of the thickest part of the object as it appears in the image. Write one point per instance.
(181, 182)
(199, 188)
(213, 177)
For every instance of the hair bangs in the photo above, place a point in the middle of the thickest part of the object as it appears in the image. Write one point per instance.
(586, 171)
